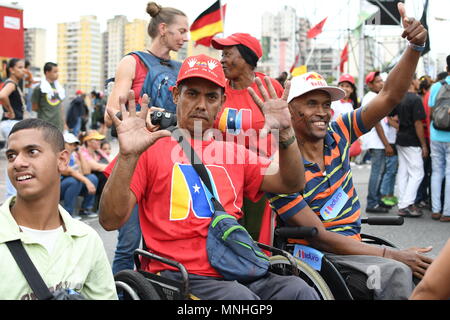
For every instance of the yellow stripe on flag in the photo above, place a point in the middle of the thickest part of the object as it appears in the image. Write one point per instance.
(180, 196)
(207, 31)
(299, 71)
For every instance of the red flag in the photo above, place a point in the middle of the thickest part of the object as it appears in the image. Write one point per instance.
(344, 57)
(316, 30)
(297, 58)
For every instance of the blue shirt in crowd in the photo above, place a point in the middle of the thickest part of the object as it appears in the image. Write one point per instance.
(438, 135)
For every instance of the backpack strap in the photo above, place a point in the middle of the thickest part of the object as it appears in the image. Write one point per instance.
(445, 87)
(9, 81)
(28, 269)
(150, 60)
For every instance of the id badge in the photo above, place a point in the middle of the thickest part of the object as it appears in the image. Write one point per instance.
(309, 255)
(334, 206)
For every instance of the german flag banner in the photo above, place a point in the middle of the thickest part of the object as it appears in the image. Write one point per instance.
(208, 24)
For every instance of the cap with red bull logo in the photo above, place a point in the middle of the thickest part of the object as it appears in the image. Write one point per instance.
(313, 81)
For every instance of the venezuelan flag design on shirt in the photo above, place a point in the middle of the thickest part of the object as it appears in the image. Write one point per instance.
(190, 193)
(322, 186)
(234, 121)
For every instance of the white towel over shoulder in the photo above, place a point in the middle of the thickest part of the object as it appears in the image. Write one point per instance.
(47, 89)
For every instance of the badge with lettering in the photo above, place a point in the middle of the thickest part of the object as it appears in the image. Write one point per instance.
(334, 206)
(309, 255)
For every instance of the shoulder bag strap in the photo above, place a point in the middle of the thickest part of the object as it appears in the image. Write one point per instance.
(28, 269)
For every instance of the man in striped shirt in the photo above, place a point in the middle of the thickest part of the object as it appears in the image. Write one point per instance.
(329, 201)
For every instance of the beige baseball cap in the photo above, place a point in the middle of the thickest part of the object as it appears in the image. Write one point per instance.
(313, 81)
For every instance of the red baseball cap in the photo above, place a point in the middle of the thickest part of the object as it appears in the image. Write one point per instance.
(202, 66)
(239, 38)
(347, 78)
(79, 92)
(371, 76)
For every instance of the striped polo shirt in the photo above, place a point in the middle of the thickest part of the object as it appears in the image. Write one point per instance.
(323, 187)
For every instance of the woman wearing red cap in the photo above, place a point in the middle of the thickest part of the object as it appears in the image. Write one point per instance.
(240, 55)
(350, 101)
(347, 104)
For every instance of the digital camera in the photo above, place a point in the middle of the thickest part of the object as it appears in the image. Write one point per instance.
(163, 119)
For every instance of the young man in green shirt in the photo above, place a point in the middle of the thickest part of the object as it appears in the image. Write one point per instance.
(47, 98)
(67, 253)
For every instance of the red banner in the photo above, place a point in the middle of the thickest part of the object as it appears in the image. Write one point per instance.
(317, 29)
(11, 32)
(344, 58)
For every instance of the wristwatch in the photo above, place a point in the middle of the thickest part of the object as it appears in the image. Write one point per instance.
(417, 47)
(287, 143)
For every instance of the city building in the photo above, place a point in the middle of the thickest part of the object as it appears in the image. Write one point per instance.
(136, 36)
(283, 38)
(35, 47)
(325, 61)
(116, 42)
(80, 55)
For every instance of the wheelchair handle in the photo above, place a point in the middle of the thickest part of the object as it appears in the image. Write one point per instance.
(296, 232)
(384, 221)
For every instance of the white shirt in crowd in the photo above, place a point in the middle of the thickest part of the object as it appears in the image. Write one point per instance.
(371, 140)
(341, 107)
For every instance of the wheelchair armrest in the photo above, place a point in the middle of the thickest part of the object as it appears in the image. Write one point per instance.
(296, 232)
(179, 266)
(384, 221)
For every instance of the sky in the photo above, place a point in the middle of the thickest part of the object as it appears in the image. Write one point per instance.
(242, 15)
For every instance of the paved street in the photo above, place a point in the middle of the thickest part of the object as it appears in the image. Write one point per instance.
(415, 232)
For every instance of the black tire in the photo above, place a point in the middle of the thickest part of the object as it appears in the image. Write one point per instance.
(143, 288)
(281, 265)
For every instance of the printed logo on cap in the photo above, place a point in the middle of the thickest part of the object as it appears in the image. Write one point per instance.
(196, 65)
(316, 80)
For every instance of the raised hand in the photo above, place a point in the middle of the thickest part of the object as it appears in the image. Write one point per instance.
(134, 137)
(275, 109)
(414, 31)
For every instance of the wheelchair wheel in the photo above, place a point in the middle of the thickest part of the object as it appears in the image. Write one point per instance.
(281, 265)
(143, 289)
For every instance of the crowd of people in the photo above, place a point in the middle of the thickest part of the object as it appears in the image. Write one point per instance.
(404, 151)
(286, 147)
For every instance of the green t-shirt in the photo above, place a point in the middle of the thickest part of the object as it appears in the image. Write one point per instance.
(78, 261)
(49, 106)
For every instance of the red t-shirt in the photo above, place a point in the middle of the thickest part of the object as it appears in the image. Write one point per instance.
(427, 121)
(174, 210)
(240, 113)
(139, 78)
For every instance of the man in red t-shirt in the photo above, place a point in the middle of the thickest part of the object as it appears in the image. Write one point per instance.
(174, 206)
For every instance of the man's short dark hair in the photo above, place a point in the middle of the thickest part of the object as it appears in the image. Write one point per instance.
(441, 76)
(49, 67)
(51, 133)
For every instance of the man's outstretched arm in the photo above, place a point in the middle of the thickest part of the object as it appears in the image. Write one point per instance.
(339, 244)
(400, 77)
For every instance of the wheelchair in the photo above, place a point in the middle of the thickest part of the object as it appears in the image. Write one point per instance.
(335, 280)
(143, 285)
(329, 283)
